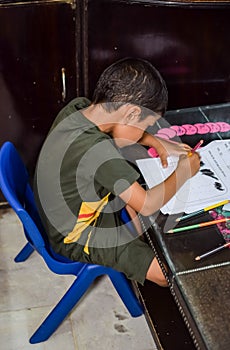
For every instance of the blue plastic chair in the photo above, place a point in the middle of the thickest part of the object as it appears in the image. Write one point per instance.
(14, 182)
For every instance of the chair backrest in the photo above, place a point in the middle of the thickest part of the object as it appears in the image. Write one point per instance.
(15, 186)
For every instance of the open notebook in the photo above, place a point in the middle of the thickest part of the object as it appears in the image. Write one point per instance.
(209, 186)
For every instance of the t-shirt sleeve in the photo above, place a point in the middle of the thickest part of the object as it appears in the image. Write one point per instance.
(113, 171)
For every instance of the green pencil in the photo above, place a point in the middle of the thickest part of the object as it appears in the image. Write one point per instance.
(202, 224)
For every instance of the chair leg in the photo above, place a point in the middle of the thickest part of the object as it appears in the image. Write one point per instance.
(77, 290)
(63, 308)
(126, 293)
(26, 251)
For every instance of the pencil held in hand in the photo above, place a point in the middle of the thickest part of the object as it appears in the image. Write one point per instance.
(195, 148)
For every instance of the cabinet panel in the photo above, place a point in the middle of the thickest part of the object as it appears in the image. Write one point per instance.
(187, 41)
(37, 44)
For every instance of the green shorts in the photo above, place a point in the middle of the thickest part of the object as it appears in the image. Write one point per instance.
(116, 248)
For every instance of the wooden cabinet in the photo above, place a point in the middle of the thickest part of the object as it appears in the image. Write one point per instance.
(38, 61)
(188, 41)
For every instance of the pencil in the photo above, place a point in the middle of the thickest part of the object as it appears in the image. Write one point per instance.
(195, 148)
(226, 245)
(201, 211)
(203, 224)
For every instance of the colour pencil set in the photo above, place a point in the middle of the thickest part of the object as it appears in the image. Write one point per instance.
(203, 224)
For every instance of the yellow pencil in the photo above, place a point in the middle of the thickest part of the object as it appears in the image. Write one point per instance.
(210, 207)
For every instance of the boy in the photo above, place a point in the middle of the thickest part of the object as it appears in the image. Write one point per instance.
(82, 180)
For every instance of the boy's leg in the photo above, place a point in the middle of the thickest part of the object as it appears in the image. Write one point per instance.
(155, 274)
(114, 246)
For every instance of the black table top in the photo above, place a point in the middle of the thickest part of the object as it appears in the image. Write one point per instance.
(201, 289)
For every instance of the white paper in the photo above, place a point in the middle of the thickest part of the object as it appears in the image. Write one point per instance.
(209, 186)
(226, 207)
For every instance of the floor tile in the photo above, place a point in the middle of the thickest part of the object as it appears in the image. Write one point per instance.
(16, 327)
(102, 322)
(29, 291)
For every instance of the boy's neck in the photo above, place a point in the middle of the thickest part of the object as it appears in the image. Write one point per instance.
(104, 120)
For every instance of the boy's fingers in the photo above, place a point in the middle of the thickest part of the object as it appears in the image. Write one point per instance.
(186, 147)
(164, 161)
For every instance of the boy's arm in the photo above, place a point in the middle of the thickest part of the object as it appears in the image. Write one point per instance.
(148, 202)
(164, 147)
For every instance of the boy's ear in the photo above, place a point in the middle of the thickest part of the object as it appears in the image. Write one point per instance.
(132, 114)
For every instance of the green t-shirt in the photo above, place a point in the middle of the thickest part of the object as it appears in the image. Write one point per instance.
(79, 163)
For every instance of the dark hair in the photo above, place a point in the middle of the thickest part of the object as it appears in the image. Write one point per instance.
(131, 80)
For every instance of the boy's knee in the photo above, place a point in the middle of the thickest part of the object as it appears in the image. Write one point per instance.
(156, 275)
(162, 282)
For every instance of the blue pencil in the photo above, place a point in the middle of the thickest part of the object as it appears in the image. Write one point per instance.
(226, 245)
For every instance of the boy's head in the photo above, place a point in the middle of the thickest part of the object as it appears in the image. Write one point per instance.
(133, 81)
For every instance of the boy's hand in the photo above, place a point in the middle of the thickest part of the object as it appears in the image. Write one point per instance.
(190, 165)
(166, 148)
